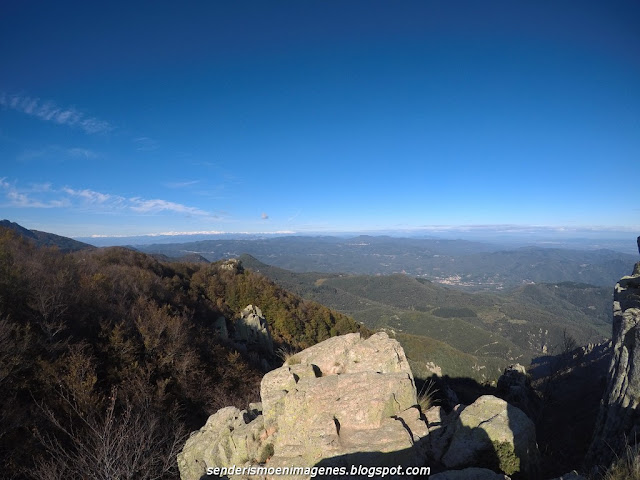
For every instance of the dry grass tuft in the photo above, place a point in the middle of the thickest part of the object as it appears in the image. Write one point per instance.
(427, 396)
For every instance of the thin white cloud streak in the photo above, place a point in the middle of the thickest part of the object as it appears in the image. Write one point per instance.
(153, 206)
(145, 144)
(50, 112)
(83, 153)
(181, 184)
(56, 152)
(508, 228)
(23, 200)
(174, 234)
(93, 201)
(93, 197)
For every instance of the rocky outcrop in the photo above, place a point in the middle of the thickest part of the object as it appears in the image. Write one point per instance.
(230, 437)
(346, 401)
(252, 330)
(514, 385)
(350, 401)
(619, 418)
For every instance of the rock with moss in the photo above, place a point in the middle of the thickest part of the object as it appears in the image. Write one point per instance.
(230, 437)
(346, 401)
(493, 434)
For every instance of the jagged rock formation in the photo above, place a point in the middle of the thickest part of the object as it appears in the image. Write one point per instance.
(352, 401)
(251, 329)
(618, 422)
(514, 385)
(569, 387)
(337, 402)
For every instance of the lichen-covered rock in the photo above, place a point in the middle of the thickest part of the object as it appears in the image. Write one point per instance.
(619, 420)
(491, 433)
(342, 398)
(350, 354)
(346, 401)
(230, 437)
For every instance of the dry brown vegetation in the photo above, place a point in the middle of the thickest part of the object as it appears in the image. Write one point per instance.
(108, 358)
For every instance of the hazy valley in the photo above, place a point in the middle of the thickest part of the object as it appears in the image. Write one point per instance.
(471, 265)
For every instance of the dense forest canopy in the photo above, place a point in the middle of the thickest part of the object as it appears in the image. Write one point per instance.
(108, 357)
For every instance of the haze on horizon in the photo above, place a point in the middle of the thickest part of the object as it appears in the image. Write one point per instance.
(358, 116)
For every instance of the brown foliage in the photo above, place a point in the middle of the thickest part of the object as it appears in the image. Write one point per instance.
(107, 356)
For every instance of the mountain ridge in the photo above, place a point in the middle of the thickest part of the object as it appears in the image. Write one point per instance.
(46, 239)
(473, 266)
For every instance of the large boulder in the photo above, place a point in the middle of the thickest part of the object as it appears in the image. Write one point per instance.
(494, 434)
(346, 401)
(619, 417)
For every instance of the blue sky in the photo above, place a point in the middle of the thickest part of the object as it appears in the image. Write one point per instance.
(127, 118)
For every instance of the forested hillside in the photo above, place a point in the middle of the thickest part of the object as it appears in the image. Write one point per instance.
(451, 332)
(108, 357)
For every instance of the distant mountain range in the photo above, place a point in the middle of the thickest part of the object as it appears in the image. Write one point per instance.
(474, 266)
(44, 239)
(527, 301)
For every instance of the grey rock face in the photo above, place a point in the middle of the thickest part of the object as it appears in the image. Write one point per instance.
(514, 385)
(230, 437)
(252, 329)
(346, 401)
(619, 420)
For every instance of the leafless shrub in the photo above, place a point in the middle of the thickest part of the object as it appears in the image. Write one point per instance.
(123, 442)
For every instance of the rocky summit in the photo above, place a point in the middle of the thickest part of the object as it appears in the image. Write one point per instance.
(350, 401)
(618, 422)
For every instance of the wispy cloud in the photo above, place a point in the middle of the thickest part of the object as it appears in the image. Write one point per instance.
(184, 184)
(294, 216)
(22, 199)
(46, 196)
(141, 205)
(93, 197)
(145, 144)
(82, 153)
(56, 152)
(50, 112)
